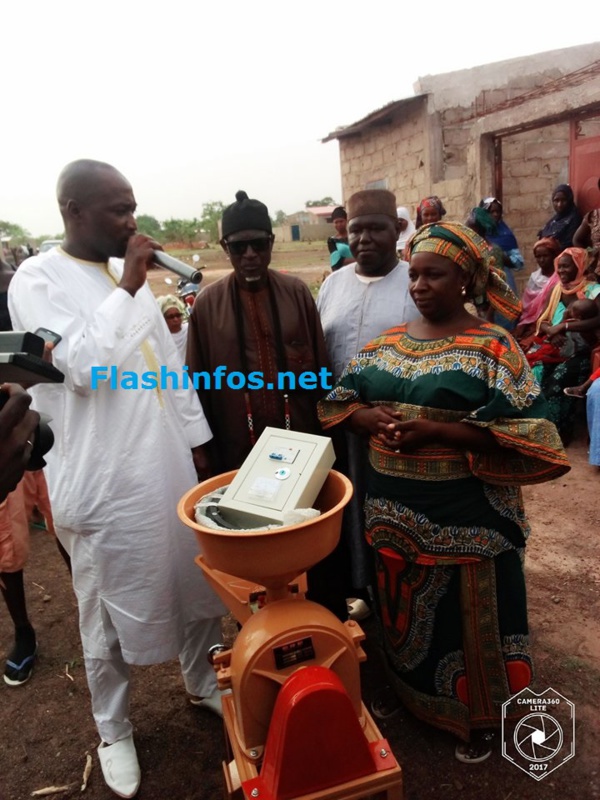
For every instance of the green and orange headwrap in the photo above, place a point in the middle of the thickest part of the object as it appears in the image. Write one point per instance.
(470, 252)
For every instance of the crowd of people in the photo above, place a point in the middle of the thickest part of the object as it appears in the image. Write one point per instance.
(572, 342)
(437, 415)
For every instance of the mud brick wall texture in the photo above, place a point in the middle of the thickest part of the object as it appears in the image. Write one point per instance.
(441, 141)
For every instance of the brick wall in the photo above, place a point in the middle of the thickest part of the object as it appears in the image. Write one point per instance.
(395, 153)
(533, 164)
(441, 141)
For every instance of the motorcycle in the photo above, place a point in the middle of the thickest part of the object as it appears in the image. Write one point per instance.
(187, 290)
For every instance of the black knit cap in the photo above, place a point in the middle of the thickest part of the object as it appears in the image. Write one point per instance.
(245, 215)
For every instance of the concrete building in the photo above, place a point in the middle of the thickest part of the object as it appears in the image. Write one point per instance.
(514, 129)
(312, 215)
(310, 225)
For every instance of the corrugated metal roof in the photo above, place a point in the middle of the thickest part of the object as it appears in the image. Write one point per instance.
(575, 78)
(380, 117)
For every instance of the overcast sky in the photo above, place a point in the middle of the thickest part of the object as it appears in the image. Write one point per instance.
(192, 101)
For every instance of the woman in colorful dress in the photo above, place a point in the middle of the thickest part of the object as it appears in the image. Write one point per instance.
(572, 285)
(502, 236)
(456, 425)
(486, 221)
(534, 295)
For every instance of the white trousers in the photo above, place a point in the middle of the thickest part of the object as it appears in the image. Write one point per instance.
(109, 683)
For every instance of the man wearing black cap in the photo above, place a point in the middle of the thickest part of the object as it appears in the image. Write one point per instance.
(339, 252)
(253, 320)
(257, 320)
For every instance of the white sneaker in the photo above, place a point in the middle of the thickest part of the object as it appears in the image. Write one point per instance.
(120, 767)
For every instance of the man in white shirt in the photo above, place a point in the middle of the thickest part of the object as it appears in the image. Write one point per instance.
(122, 457)
(356, 303)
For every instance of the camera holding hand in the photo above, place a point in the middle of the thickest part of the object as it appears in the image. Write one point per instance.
(22, 362)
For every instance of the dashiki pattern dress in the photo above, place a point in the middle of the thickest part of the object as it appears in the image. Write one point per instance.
(448, 527)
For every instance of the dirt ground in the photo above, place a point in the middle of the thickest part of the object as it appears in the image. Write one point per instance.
(47, 729)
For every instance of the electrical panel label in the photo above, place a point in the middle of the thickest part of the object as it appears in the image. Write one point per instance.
(292, 653)
(264, 489)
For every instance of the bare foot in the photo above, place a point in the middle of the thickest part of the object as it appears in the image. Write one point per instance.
(574, 391)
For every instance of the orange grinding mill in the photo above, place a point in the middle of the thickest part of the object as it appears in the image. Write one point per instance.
(296, 727)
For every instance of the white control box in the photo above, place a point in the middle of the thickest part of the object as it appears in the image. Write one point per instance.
(284, 470)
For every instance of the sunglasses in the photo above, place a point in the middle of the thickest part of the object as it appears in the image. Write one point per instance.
(260, 245)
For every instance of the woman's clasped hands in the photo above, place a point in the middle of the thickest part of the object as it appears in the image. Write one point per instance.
(386, 424)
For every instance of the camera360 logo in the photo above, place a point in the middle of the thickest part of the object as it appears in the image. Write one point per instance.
(543, 739)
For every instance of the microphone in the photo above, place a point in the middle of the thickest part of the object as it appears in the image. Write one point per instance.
(178, 267)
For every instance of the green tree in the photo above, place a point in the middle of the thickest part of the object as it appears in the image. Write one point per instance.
(149, 226)
(280, 218)
(209, 222)
(13, 232)
(181, 230)
(326, 201)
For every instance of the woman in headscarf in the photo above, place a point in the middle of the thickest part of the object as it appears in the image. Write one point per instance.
(456, 425)
(572, 284)
(430, 209)
(175, 314)
(408, 228)
(485, 223)
(502, 236)
(566, 220)
(541, 281)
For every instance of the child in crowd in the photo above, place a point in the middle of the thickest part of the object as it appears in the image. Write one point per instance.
(546, 350)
